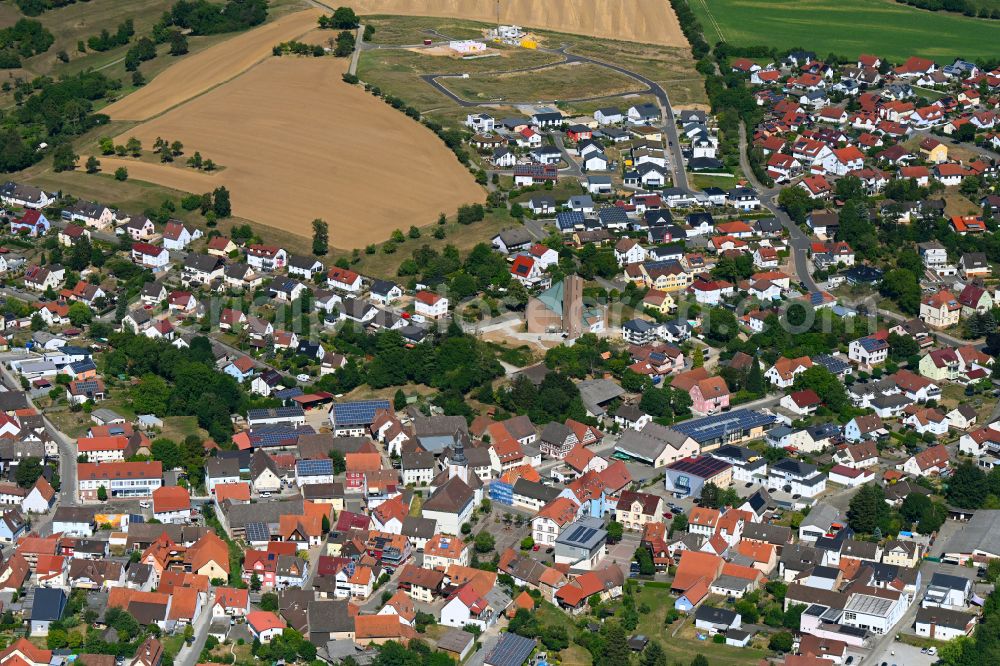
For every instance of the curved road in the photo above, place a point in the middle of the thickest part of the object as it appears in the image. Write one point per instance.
(798, 239)
(676, 159)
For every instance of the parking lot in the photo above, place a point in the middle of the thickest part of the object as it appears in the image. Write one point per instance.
(901, 654)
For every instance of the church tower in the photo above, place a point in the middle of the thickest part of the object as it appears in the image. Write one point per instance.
(458, 464)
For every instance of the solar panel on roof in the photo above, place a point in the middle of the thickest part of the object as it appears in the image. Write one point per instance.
(713, 427)
(361, 412)
(704, 468)
(314, 467)
(511, 650)
(257, 532)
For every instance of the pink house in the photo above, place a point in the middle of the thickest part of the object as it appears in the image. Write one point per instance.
(709, 395)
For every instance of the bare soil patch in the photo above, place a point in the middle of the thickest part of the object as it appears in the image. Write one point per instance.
(298, 144)
(648, 21)
(203, 71)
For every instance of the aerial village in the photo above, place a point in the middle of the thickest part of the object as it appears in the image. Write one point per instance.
(759, 418)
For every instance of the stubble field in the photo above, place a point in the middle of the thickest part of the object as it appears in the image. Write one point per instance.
(648, 21)
(203, 71)
(297, 143)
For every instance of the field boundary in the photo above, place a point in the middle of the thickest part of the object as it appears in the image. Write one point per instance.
(216, 52)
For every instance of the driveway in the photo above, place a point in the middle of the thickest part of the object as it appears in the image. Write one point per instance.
(188, 654)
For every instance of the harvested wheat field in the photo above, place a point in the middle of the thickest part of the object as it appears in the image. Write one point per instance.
(647, 21)
(203, 71)
(298, 143)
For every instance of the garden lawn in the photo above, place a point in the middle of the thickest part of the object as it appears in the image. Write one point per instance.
(679, 648)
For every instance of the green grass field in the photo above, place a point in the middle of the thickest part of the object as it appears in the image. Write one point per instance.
(570, 81)
(847, 28)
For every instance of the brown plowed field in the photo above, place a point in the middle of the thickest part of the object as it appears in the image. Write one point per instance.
(203, 71)
(647, 21)
(297, 143)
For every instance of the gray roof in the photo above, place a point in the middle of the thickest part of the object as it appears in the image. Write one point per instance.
(418, 460)
(455, 640)
(722, 616)
(430, 426)
(238, 515)
(48, 605)
(515, 236)
(823, 516)
(594, 392)
(799, 557)
(74, 514)
(217, 468)
(555, 432)
(779, 535)
(105, 414)
(944, 617)
(421, 528)
(648, 443)
(330, 616)
(204, 263)
(534, 490)
(981, 533)
(949, 582)
(584, 533)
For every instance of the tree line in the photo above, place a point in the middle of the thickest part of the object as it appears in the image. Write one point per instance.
(965, 7)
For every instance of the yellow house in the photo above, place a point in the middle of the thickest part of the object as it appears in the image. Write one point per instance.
(667, 278)
(933, 150)
(901, 553)
(635, 509)
(660, 301)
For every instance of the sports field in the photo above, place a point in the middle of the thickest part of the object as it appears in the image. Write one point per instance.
(847, 28)
(335, 152)
(648, 21)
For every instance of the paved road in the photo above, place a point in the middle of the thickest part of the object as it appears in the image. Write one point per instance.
(798, 239)
(107, 237)
(188, 654)
(358, 41)
(574, 169)
(21, 294)
(669, 122)
(67, 447)
(673, 148)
